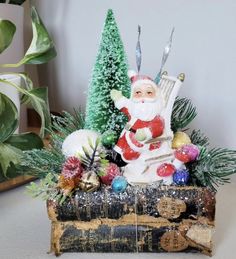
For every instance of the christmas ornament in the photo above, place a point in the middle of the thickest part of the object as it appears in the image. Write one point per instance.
(78, 141)
(119, 184)
(185, 154)
(89, 182)
(143, 110)
(72, 168)
(180, 139)
(192, 150)
(109, 138)
(181, 177)
(165, 56)
(165, 170)
(138, 50)
(68, 184)
(111, 171)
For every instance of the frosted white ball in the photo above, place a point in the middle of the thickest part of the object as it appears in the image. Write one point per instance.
(74, 143)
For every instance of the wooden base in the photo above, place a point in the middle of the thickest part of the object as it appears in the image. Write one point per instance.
(16, 181)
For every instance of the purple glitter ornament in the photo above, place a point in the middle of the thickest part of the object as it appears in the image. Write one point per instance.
(181, 177)
(192, 151)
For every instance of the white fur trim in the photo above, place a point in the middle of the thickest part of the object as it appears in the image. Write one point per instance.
(148, 133)
(117, 149)
(132, 122)
(122, 102)
(131, 73)
(144, 81)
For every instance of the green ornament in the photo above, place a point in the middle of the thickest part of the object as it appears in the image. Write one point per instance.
(109, 138)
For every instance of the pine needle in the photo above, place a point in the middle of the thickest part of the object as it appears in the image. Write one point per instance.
(214, 168)
(183, 113)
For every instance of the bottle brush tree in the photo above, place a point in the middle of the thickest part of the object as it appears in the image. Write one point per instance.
(109, 72)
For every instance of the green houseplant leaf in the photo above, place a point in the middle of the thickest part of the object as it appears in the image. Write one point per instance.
(8, 155)
(37, 97)
(25, 141)
(41, 49)
(8, 117)
(7, 31)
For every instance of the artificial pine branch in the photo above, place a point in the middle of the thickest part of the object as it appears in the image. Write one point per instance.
(67, 123)
(183, 113)
(41, 162)
(47, 189)
(214, 168)
(199, 139)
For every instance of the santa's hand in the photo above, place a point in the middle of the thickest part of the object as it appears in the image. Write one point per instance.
(140, 135)
(116, 95)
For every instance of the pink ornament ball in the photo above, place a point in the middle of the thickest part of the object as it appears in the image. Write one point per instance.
(187, 153)
(166, 170)
(111, 171)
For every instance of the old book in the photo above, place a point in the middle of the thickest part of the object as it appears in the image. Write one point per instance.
(142, 219)
(132, 233)
(189, 202)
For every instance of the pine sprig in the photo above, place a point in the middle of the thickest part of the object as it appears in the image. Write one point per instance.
(40, 162)
(67, 123)
(199, 139)
(88, 158)
(96, 160)
(183, 113)
(46, 189)
(214, 167)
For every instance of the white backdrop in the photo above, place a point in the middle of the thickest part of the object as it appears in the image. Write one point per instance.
(204, 48)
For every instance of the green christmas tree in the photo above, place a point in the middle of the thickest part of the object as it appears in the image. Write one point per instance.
(109, 72)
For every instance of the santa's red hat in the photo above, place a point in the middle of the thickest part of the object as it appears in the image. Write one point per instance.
(137, 80)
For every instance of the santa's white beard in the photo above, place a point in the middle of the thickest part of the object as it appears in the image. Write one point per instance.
(146, 110)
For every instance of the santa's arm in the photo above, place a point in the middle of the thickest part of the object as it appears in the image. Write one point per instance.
(120, 101)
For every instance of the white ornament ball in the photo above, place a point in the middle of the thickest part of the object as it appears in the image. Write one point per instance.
(74, 143)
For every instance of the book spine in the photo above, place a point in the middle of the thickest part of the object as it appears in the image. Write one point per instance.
(189, 202)
(76, 237)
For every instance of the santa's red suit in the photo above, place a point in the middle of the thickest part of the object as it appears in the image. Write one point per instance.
(128, 146)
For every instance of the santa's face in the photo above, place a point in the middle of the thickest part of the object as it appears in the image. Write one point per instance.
(146, 102)
(144, 93)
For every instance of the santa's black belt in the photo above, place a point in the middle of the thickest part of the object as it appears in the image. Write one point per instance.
(132, 130)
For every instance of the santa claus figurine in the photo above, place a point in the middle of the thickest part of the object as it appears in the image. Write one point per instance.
(143, 110)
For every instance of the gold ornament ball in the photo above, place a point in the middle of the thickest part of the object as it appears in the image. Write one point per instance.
(180, 139)
(89, 182)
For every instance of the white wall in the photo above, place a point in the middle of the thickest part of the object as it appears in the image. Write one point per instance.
(204, 48)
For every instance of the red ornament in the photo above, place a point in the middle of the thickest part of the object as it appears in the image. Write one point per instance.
(183, 155)
(72, 168)
(165, 170)
(111, 171)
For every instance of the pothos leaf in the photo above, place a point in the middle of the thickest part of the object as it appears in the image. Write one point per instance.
(7, 31)
(38, 98)
(8, 155)
(8, 118)
(25, 141)
(41, 49)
